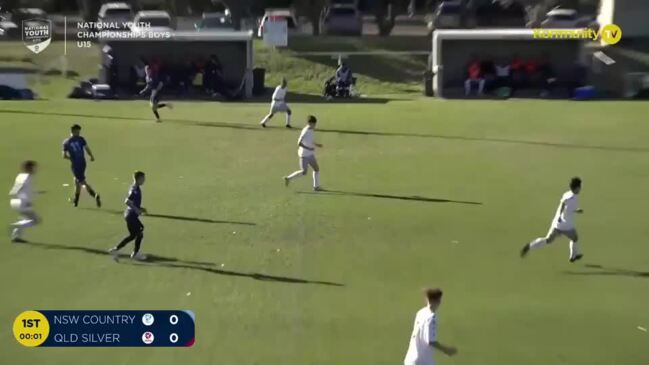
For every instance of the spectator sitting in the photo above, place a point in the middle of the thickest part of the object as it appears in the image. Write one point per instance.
(488, 71)
(532, 73)
(343, 79)
(518, 72)
(474, 77)
(137, 74)
(503, 75)
(548, 78)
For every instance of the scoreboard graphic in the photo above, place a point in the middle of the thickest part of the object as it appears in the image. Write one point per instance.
(156, 328)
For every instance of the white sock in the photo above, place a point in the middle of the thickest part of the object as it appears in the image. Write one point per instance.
(539, 242)
(294, 175)
(316, 179)
(288, 119)
(15, 233)
(24, 223)
(574, 249)
(263, 121)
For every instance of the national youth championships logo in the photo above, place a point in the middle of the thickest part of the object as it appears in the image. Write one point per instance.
(609, 34)
(37, 34)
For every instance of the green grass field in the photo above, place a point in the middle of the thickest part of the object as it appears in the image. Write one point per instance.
(439, 193)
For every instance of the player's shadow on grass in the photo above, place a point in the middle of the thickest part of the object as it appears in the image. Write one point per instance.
(198, 123)
(172, 262)
(388, 196)
(255, 127)
(486, 139)
(599, 270)
(94, 251)
(177, 217)
(212, 270)
(293, 97)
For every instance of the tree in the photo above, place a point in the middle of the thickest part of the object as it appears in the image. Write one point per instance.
(385, 12)
(312, 10)
(238, 10)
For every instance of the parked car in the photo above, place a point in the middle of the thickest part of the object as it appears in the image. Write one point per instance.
(21, 14)
(114, 16)
(291, 20)
(500, 15)
(560, 18)
(341, 20)
(155, 20)
(448, 14)
(214, 22)
(8, 29)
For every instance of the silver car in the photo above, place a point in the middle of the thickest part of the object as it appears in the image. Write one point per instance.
(341, 20)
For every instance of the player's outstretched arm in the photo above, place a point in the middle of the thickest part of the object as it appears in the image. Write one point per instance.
(300, 144)
(447, 350)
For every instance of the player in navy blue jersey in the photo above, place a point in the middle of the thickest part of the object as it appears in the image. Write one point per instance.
(154, 85)
(74, 149)
(132, 216)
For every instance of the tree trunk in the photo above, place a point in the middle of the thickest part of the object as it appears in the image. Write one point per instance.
(238, 10)
(385, 14)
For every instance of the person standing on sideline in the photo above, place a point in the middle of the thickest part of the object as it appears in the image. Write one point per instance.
(306, 151)
(132, 216)
(74, 149)
(20, 200)
(563, 223)
(278, 104)
(424, 334)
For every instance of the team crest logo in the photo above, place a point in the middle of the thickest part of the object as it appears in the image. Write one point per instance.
(37, 34)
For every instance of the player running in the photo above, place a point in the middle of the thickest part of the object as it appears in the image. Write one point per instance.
(306, 152)
(424, 334)
(20, 200)
(563, 223)
(132, 216)
(154, 85)
(74, 149)
(278, 104)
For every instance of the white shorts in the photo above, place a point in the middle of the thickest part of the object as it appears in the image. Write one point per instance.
(22, 207)
(306, 161)
(562, 230)
(278, 107)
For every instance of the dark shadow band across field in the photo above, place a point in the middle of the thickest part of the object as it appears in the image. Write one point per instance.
(599, 270)
(387, 196)
(255, 127)
(177, 217)
(174, 263)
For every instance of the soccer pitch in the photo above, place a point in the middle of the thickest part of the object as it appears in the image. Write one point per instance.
(420, 193)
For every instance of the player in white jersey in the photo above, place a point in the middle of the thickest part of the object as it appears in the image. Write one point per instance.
(20, 200)
(278, 104)
(424, 334)
(563, 223)
(306, 151)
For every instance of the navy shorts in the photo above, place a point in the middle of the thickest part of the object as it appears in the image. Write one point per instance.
(135, 227)
(155, 97)
(79, 172)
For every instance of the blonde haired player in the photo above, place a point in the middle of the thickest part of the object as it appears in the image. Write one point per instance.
(20, 200)
(563, 223)
(278, 104)
(306, 151)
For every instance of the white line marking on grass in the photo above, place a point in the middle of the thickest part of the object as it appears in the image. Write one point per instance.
(66, 185)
